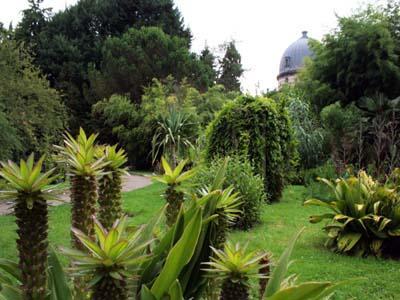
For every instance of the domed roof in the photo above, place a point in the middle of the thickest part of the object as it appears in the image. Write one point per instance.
(293, 57)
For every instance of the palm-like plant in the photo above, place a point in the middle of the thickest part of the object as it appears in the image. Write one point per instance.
(172, 137)
(110, 184)
(110, 259)
(80, 157)
(173, 195)
(234, 266)
(31, 192)
(226, 212)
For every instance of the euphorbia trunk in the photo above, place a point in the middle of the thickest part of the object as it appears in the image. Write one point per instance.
(110, 288)
(83, 200)
(110, 199)
(234, 290)
(175, 201)
(32, 245)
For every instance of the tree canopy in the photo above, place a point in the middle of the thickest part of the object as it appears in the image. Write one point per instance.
(231, 68)
(359, 58)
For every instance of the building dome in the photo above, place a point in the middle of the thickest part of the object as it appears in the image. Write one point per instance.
(293, 58)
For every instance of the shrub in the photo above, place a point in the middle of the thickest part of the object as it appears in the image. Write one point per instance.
(240, 175)
(342, 125)
(365, 218)
(309, 135)
(315, 188)
(260, 130)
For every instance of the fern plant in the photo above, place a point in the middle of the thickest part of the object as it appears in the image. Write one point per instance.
(30, 191)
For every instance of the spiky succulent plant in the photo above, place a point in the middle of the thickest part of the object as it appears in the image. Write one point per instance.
(30, 191)
(110, 259)
(234, 266)
(173, 195)
(110, 184)
(227, 210)
(80, 159)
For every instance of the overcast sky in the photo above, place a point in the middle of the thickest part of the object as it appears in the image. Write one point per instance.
(262, 28)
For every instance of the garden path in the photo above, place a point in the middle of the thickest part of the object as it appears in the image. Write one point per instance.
(129, 183)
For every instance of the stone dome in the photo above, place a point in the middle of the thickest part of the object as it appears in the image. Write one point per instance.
(293, 58)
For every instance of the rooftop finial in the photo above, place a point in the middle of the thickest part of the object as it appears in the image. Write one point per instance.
(304, 33)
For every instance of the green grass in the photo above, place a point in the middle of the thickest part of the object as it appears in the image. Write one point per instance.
(279, 223)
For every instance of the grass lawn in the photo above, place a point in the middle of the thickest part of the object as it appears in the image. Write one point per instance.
(279, 223)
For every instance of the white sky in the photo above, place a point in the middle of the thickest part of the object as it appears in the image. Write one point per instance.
(262, 28)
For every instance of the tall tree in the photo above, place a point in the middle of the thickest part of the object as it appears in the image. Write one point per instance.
(131, 61)
(358, 59)
(33, 22)
(27, 104)
(204, 73)
(231, 68)
(72, 41)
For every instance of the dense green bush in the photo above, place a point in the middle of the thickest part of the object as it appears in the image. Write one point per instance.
(310, 136)
(259, 129)
(364, 218)
(315, 188)
(239, 174)
(342, 126)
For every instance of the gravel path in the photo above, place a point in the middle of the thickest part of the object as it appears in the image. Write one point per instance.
(129, 182)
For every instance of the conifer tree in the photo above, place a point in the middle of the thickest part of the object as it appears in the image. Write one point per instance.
(231, 68)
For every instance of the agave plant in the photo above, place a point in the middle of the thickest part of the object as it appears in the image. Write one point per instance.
(110, 259)
(365, 215)
(173, 195)
(80, 157)
(30, 191)
(234, 266)
(110, 185)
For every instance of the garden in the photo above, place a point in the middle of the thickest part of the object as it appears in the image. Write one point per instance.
(289, 195)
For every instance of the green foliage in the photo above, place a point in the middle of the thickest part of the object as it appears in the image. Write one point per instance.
(30, 192)
(240, 175)
(132, 60)
(31, 114)
(133, 126)
(211, 102)
(185, 246)
(174, 177)
(348, 67)
(310, 136)
(172, 137)
(83, 166)
(120, 121)
(109, 258)
(281, 288)
(342, 126)
(231, 68)
(315, 188)
(259, 129)
(80, 155)
(234, 266)
(110, 184)
(365, 216)
(69, 43)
